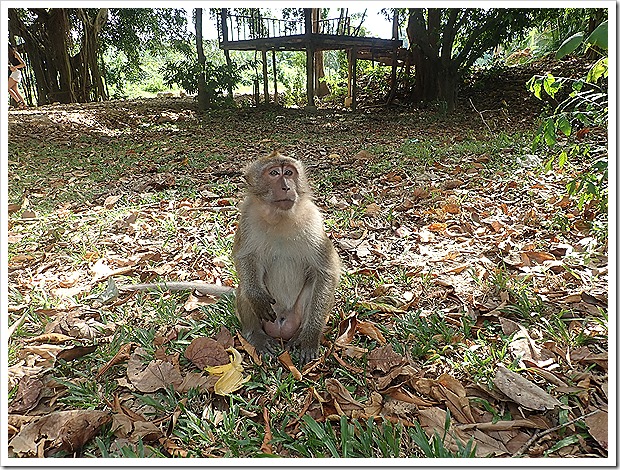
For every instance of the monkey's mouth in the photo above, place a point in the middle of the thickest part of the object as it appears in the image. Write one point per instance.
(284, 204)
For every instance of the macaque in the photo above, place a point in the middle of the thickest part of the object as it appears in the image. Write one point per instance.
(288, 268)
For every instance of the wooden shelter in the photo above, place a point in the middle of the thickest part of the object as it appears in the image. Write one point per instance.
(257, 33)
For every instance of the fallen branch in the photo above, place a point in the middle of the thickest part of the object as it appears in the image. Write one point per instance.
(203, 288)
(481, 116)
(540, 434)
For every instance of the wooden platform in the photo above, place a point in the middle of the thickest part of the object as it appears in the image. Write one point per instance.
(318, 42)
(256, 33)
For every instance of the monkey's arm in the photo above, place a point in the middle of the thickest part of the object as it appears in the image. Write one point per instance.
(198, 286)
(324, 282)
(252, 286)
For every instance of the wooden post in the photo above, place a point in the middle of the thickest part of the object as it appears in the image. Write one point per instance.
(309, 56)
(308, 22)
(224, 25)
(265, 76)
(392, 94)
(275, 77)
(349, 99)
(354, 84)
(310, 74)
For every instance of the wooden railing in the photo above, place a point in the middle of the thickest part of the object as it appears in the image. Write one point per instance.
(233, 27)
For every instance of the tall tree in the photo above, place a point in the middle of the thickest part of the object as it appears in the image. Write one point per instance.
(50, 35)
(65, 46)
(203, 98)
(320, 87)
(445, 42)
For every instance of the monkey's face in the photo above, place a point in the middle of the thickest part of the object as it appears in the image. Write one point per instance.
(281, 181)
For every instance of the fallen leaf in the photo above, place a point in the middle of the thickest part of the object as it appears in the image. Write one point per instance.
(76, 352)
(224, 337)
(155, 375)
(373, 209)
(27, 396)
(452, 184)
(384, 358)
(598, 428)
(522, 391)
(110, 201)
(60, 430)
(342, 397)
(371, 330)
(286, 361)
(204, 352)
(266, 446)
(231, 374)
(437, 227)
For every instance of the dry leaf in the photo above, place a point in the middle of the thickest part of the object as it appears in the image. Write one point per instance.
(194, 302)
(452, 184)
(346, 330)
(342, 397)
(266, 446)
(53, 338)
(155, 375)
(61, 430)
(224, 337)
(111, 200)
(522, 391)
(373, 209)
(27, 396)
(75, 352)
(437, 227)
(598, 428)
(371, 330)
(384, 358)
(286, 361)
(204, 352)
(251, 350)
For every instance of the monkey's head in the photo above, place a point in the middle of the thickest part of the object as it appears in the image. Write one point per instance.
(278, 180)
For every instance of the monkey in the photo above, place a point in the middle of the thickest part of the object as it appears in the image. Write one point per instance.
(288, 269)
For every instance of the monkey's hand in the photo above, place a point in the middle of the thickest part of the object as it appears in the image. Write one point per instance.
(262, 303)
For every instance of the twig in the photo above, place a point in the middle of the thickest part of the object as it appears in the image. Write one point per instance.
(15, 325)
(201, 287)
(540, 434)
(481, 116)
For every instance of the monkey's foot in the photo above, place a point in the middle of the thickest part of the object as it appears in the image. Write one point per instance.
(264, 345)
(306, 353)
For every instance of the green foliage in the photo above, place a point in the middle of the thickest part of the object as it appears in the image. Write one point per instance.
(569, 45)
(184, 69)
(587, 106)
(185, 72)
(134, 31)
(355, 439)
(598, 37)
(434, 447)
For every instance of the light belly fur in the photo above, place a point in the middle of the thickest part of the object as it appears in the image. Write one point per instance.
(284, 280)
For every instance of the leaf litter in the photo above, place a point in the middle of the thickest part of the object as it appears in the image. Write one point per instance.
(450, 230)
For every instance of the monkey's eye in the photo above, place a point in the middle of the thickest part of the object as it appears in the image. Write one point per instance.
(288, 172)
(274, 172)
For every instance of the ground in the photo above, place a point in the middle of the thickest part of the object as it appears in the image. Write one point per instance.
(473, 302)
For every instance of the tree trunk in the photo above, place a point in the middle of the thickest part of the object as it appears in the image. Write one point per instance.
(86, 64)
(436, 78)
(321, 88)
(59, 76)
(203, 98)
(229, 63)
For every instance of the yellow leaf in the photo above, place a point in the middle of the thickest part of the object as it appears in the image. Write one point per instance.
(231, 374)
(230, 382)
